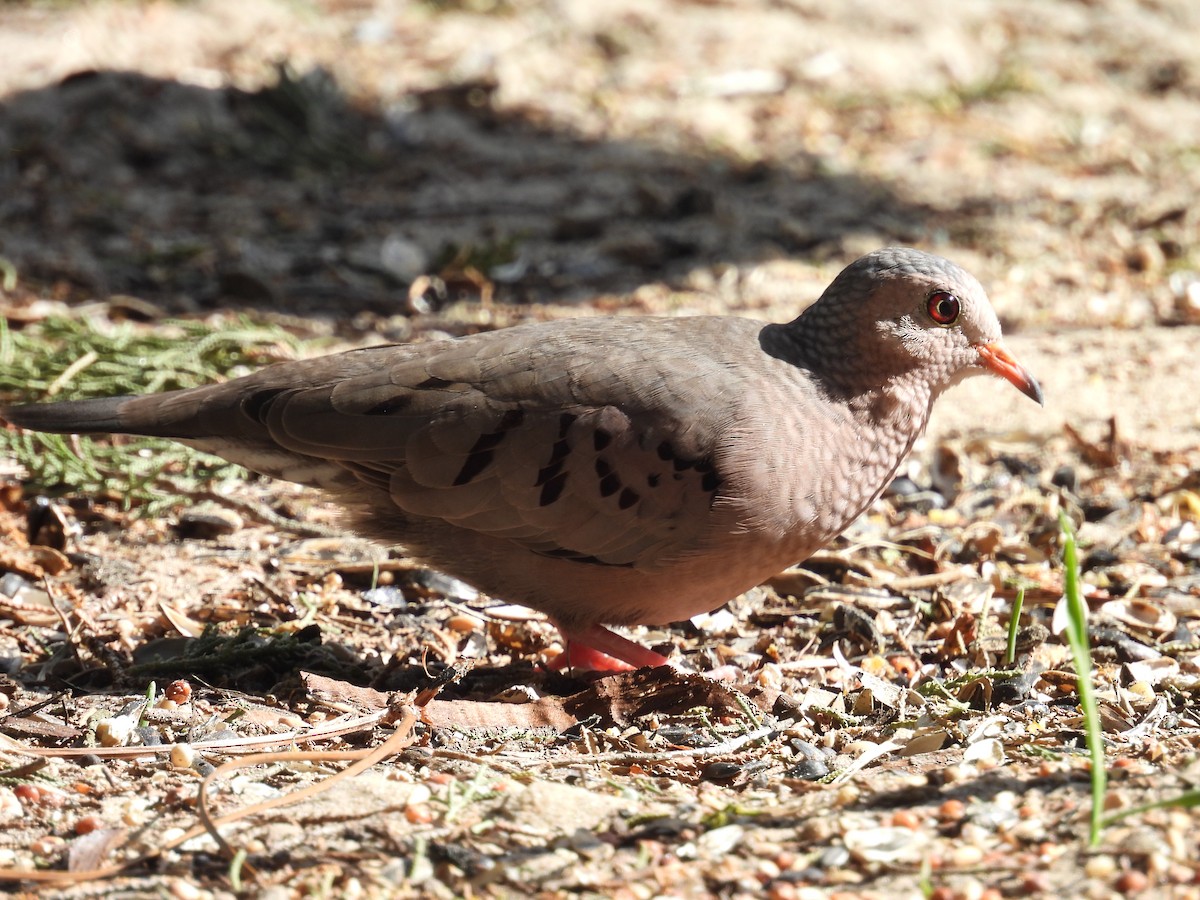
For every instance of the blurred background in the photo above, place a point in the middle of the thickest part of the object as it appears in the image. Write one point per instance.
(385, 169)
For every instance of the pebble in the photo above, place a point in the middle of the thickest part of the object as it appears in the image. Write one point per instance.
(720, 841)
(47, 846)
(463, 623)
(185, 890)
(885, 845)
(1100, 867)
(966, 856)
(1131, 881)
(388, 596)
(205, 524)
(1035, 882)
(402, 257)
(87, 824)
(808, 769)
(10, 806)
(116, 731)
(419, 814)
(721, 771)
(178, 691)
(951, 811)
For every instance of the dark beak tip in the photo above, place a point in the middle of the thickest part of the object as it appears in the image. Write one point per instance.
(1035, 393)
(995, 358)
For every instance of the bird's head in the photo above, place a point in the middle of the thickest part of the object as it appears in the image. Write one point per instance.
(899, 313)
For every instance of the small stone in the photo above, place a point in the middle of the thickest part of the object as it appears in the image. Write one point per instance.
(389, 597)
(207, 523)
(47, 846)
(951, 811)
(116, 731)
(1131, 881)
(87, 824)
(1100, 866)
(1035, 882)
(403, 258)
(721, 771)
(966, 856)
(1066, 478)
(178, 690)
(720, 841)
(463, 623)
(808, 769)
(1146, 256)
(885, 845)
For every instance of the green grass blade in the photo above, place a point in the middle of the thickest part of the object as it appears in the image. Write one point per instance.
(1186, 800)
(1077, 637)
(1014, 622)
(64, 358)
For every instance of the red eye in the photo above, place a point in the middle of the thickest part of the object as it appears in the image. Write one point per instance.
(943, 307)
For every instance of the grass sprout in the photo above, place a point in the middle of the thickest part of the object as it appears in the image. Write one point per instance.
(1080, 651)
(1014, 622)
(1077, 638)
(1186, 800)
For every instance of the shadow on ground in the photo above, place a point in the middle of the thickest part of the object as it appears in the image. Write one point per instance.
(294, 200)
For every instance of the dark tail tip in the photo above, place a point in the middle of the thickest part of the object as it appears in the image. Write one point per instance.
(101, 414)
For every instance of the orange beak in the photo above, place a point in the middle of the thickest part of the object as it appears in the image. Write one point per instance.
(995, 358)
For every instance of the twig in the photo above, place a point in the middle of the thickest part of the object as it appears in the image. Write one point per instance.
(725, 747)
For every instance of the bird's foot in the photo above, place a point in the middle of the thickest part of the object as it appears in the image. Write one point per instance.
(596, 649)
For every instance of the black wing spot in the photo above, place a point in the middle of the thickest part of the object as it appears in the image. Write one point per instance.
(478, 458)
(576, 556)
(682, 465)
(552, 489)
(653, 479)
(511, 419)
(711, 481)
(610, 481)
(558, 456)
(433, 383)
(601, 439)
(559, 452)
(610, 484)
(474, 464)
(482, 452)
(547, 472)
(258, 404)
(565, 421)
(627, 499)
(665, 452)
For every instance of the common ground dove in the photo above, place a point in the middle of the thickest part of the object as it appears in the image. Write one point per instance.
(606, 470)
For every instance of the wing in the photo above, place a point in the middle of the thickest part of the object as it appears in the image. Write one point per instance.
(591, 440)
(563, 441)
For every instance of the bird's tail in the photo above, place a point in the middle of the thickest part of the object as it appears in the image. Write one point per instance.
(180, 415)
(102, 414)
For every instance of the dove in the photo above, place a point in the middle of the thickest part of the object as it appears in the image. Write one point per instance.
(609, 470)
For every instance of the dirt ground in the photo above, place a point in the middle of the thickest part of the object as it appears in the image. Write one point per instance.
(392, 170)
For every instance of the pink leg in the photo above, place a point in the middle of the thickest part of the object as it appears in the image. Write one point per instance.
(597, 649)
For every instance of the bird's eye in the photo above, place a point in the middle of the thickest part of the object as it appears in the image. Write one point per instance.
(943, 307)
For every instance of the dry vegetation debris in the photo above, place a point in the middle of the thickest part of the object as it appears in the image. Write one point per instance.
(376, 171)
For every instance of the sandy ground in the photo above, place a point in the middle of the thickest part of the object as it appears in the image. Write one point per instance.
(383, 170)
